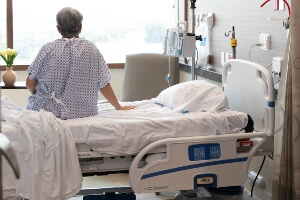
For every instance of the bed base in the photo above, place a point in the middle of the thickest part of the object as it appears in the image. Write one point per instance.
(193, 162)
(186, 164)
(114, 193)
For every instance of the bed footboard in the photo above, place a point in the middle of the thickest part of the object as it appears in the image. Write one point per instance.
(193, 162)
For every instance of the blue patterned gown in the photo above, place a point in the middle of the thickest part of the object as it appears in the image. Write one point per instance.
(70, 73)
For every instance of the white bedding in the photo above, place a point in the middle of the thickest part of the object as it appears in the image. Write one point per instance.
(46, 154)
(47, 144)
(127, 132)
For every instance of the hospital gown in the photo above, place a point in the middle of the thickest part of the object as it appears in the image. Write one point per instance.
(70, 73)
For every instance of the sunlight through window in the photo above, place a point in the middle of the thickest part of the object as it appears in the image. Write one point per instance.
(117, 27)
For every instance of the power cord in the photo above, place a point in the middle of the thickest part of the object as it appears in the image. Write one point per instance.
(257, 175)
(258, 44)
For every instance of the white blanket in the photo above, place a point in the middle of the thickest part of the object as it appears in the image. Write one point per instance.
(47, 157)
(118, 132)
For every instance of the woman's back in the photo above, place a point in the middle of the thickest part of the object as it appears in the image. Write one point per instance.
(70, 74)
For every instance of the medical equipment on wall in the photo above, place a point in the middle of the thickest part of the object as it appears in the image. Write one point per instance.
(286, 21)
(204, 22)
(179, 43)
(233, 42)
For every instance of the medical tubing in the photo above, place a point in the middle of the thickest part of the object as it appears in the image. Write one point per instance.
(264, 3)
(289, 9)
(195, 64)
(168, 76)
(262, 164)
(197, 54)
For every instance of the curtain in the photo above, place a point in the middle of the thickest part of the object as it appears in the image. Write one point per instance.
(286, 180)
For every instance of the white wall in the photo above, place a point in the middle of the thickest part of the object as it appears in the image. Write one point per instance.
(184, 76)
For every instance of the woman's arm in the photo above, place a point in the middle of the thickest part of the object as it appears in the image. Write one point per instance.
(109, 94)
(31, 85)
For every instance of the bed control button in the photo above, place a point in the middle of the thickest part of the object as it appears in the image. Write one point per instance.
(208, 151)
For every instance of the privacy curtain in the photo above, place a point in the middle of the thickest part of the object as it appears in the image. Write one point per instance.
(286, 181)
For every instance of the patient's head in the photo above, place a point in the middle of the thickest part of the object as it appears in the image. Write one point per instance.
(69, 22)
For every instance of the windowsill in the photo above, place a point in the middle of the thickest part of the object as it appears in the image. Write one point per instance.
(24, 67)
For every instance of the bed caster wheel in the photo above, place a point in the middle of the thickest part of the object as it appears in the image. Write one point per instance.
(191, 195)
(179, 196)
(186, 196)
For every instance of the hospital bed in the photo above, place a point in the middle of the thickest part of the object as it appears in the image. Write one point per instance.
(169, 149)
(212, 160)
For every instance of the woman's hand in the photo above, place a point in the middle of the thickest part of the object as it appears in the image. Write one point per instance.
(109, 94)
(126, 107)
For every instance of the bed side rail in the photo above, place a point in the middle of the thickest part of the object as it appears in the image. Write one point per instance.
(249, 88)
(181, 169)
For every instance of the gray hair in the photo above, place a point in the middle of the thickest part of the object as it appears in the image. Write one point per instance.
(69, 21)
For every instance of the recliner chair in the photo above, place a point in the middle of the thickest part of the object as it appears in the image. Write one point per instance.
(145, 75)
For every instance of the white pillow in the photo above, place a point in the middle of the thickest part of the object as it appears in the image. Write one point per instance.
(192, 96)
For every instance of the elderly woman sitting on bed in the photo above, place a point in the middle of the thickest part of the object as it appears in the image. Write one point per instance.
(67, 73)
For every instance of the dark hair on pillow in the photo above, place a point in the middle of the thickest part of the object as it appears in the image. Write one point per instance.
(250, 126)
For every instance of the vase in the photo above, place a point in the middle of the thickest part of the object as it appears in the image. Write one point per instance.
(9, 77)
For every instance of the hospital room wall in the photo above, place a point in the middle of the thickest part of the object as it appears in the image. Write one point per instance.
(249, 21)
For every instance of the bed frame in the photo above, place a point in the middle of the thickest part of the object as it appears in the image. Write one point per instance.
(187, 163)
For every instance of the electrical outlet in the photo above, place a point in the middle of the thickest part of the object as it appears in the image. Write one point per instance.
(265, 40)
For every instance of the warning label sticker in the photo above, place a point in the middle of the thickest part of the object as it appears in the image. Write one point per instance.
(154, 188)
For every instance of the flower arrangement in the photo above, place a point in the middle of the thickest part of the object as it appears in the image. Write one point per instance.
(8, 55)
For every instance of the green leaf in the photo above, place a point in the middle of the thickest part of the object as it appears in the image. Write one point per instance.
(4, 59)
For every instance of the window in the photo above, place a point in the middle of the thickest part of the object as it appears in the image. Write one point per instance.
(3, 42)
(117, 27)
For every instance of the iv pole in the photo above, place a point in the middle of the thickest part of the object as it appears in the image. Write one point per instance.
(194, 75)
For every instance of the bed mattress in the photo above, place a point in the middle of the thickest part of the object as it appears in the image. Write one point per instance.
(127, 132)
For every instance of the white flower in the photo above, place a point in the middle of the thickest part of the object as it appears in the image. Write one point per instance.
(8, 55)
(11, 52)
(3, 52)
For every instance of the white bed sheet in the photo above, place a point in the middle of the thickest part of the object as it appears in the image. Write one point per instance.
(127, 132)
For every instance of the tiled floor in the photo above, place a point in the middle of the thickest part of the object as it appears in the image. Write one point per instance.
(121, 180)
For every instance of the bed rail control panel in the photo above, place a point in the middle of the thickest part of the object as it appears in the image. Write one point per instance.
(204, 152)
